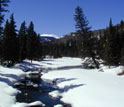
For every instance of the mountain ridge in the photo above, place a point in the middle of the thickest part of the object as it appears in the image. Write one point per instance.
(48, 37)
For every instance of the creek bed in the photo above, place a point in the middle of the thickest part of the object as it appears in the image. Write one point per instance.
(29, 93)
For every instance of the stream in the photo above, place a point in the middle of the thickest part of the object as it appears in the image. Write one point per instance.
(31, 91)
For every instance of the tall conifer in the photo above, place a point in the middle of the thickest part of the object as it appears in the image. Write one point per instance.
(22, 41)
(10, 43)
(112, 46)
(31, 42)
(84, 30)
(3, 4)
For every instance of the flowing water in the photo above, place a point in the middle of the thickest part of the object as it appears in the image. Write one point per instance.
(29, 93)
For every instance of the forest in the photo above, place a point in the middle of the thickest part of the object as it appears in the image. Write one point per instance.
(18, 45)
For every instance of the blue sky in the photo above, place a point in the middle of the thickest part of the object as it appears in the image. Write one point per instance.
(57, 16)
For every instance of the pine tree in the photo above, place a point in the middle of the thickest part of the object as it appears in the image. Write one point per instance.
(14, 40)
(108, 55)
(84, 30)
(3, 4)
(6, 43)
(38, 45)
(32, 41)
(29, 46)
(112, 46)
(81, 21)
(22, 41)
(10, 43)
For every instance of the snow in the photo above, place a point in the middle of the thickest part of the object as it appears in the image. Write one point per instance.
(64, 62)
(59, 105)
(77, 86)
(49, 35)
(55, 94)
(87, 88)
(33, 104)
(8, 77)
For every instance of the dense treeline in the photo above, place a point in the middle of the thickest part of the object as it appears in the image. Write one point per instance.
(114, 44)
(15, 46)
(106, 44)
(19, 45)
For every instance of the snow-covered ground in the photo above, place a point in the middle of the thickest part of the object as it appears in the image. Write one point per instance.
(77, 86)
(87, 88)
(9, 76)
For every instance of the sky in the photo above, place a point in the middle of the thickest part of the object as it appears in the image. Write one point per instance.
(57, 16)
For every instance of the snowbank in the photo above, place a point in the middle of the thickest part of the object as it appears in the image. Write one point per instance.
(8, 76)
(33, 104)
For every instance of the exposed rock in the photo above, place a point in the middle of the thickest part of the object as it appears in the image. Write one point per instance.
(34, 76)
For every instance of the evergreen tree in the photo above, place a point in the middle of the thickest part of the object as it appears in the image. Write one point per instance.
(3, 4)
(22, 41)
(112, 46)
(14, 40)
(108, 55)
(81, 21)
(6, 43)
(30, 38)
(33, 43)
(38, 45)
(10, 43)
(84, 30)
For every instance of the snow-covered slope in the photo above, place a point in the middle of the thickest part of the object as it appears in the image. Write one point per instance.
(48, 37)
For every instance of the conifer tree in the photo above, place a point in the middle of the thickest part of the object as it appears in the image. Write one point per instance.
(112, 46)
(6, 43)
(81, 21)
(3, 4)
(38, 45)
(31, 43)
(14, 40)
(84, 30)
(10, 43)
(30, 38)
(108, 55)
(22, 41)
